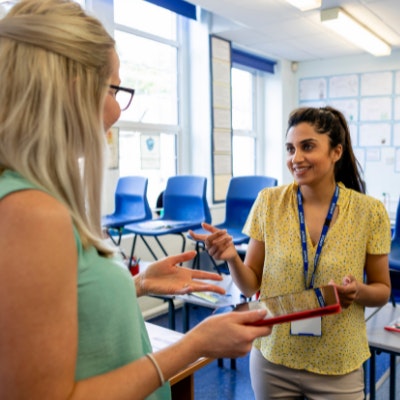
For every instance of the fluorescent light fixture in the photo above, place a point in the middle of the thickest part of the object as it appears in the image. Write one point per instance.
(353, 31)
(305, 5)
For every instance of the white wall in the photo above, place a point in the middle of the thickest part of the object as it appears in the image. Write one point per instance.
(281, 97)
(380, 176)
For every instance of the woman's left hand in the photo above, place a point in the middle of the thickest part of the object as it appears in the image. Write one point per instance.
(348, 291)
(167, 277)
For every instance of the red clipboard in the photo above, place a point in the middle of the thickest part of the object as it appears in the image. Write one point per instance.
(300, 305)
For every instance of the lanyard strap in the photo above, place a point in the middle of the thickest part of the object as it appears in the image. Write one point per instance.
(322, 237)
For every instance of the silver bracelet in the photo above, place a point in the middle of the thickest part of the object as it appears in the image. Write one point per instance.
(157, 367)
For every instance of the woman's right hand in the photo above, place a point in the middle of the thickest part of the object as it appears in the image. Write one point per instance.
(228, 335)
(218, 242)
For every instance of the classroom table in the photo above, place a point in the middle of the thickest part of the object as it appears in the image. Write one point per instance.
(233, 296)
(182, 384)
(383, 341)
(211, 300)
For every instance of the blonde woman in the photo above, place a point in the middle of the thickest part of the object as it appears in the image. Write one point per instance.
(70, 323)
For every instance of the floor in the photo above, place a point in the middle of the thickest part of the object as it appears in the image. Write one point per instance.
(225, 383)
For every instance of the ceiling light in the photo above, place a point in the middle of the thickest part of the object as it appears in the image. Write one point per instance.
(353, 31)
(305, 5)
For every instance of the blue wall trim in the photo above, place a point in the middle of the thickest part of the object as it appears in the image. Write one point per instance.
(252, 61)
(180, 7)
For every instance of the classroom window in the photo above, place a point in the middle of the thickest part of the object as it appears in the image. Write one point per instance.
(146, 40)
(151, 68)
(244, 136)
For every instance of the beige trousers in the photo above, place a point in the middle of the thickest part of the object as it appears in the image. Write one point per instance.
(272, 381)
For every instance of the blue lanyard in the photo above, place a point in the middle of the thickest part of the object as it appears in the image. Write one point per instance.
(322, 237)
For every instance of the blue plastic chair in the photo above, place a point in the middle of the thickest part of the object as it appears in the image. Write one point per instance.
(242, 192)
(131, 205)
(394, 256)
(185, 207)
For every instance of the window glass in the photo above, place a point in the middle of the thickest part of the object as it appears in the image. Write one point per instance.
(150, 67)
(242, 99)
(244, 137)
(146, 41)
(145, 17)
(140, 154)
(243, 148)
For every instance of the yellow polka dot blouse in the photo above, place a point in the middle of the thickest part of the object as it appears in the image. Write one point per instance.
(362, 226)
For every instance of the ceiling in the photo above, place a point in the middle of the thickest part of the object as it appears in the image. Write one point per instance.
(275, 29)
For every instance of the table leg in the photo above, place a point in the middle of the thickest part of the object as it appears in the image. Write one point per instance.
(171, 314)
(392, 377)
(185, 317)
(184, 389)
(372, 374)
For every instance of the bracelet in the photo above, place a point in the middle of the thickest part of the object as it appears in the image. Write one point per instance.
(157, 367)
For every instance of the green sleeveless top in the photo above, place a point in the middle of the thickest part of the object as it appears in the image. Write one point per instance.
(111, 328)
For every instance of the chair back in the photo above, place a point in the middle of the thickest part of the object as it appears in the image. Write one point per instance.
(394, 257)
(131, 198)
(242, 192)
(185, 199)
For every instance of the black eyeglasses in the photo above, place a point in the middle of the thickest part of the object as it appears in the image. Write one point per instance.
(123, 96)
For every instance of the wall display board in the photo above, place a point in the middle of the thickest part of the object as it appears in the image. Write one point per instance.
(221, 110)
(112, 140)
(371, 104)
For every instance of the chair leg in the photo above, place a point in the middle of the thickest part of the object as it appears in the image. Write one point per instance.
(116, 242)
(133, 247)
(392, 299)
(196, 260)
(149, 247)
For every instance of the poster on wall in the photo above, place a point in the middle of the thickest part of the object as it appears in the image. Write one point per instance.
(112, 139)
(372, 135)
(376, 83)
(150, 151)
(343, 86)
(397, 160)
(313, 89)
(376, 109)
(221, 107)
(396, 135)
(349, 108)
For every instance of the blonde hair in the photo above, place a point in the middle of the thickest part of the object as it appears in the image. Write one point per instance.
(55, 62)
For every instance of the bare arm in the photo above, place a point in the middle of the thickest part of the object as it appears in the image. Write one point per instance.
(38, 305)
(375, 292)
(167, 277)
(246, 275)
(206, 339)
